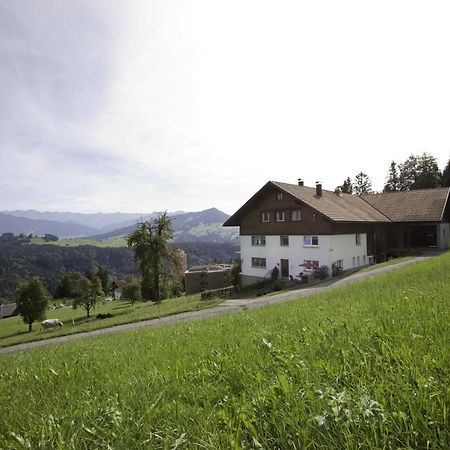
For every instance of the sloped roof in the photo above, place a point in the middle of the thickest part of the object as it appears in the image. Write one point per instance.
(338, 208)
(419, 205)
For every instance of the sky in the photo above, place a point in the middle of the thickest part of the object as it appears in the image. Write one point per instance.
(141, 105)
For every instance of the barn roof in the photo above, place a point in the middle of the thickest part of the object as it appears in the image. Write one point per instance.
(418, 205)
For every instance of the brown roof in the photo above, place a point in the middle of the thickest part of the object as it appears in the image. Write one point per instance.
(420, 205)
(338, 208)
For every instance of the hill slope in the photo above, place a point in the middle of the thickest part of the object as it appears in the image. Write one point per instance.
(363, 366)
(17, 225)
(97, 221)
(201, 226)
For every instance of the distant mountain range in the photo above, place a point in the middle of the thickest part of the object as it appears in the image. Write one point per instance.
(201, 226)
(18, 225)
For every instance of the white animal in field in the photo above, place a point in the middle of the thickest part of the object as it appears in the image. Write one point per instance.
(51, 323)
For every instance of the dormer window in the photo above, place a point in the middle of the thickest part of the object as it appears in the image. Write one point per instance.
(279, 195)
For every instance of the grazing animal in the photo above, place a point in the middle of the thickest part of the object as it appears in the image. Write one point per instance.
(51, 323)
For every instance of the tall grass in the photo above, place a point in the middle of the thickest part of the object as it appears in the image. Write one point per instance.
(365, 366)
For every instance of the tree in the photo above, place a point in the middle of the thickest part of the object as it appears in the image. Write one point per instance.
(347, 187)
(151, 250)
(419, 172)
(131, 289)
(32, 299)
(69, 285)
(393, 181)
(90, 293)
(428, 174)
(362, 184)
(407, 173)
(103, 274)
(445, 181)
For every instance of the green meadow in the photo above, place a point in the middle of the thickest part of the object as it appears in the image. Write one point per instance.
(14, 331)
(364, 366)
(110, 243)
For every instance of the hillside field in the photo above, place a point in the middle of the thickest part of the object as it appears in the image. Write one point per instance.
(362, 366)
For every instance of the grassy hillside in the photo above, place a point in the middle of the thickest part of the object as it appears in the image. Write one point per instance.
(14, 331)
(365, 366)
(113, 243)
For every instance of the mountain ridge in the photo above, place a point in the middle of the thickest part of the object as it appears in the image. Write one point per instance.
(197, 226)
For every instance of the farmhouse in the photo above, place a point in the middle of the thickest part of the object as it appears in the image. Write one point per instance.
(296, 228)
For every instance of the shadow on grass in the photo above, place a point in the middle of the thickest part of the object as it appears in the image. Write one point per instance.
(127, 305)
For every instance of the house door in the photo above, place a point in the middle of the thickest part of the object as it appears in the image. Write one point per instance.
(284, 268)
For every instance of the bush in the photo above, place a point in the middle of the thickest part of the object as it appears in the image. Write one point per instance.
(336, 270)
(322, 272)
(277, 286)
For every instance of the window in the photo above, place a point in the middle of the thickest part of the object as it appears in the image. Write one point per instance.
(364, 260)
(279, 196)
(358, 239)
(311, 240)
(279, 216)
(259, 262)
(296, 215)
(309, 264)
(354, 261)
(259, 241)
(265, 216)
(284, 241)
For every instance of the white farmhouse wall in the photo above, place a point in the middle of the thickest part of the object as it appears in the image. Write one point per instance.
(330, 249)
(344, 247)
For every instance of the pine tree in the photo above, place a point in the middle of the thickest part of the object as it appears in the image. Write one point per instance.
(347, 187)
(392, 182)
(362, 184)
(408, 173)
(445, 181)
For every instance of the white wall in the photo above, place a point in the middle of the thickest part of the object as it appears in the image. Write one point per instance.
(330, 249)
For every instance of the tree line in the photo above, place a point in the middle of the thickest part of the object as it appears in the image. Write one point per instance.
(416, 172)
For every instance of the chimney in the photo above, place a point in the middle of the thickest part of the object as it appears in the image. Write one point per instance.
(318, 189)
(300, 182)
(338, 191)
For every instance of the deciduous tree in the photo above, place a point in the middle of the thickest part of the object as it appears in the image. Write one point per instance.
(150, 242)
(32, 299)
(90, 294)
(131, 290)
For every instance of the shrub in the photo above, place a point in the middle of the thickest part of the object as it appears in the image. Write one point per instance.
(322, 272)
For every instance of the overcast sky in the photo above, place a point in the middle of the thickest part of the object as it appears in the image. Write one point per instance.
(136, 106)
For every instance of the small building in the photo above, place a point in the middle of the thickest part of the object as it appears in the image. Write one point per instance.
(204, 278)
(116, 290)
